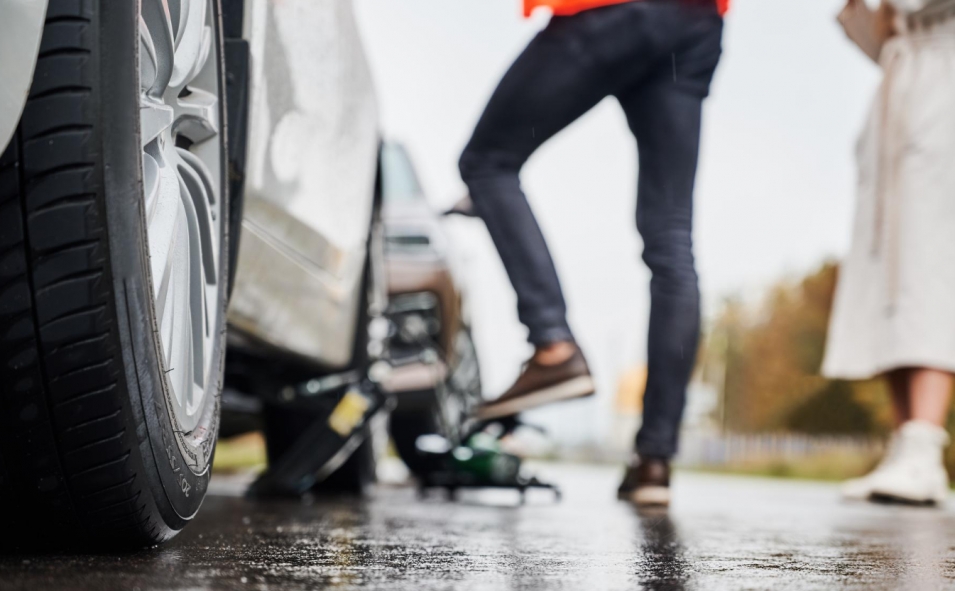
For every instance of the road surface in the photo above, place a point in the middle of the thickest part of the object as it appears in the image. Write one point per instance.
(722, 533)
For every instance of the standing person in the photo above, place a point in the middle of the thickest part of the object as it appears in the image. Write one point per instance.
(894, 313)
(657, 57)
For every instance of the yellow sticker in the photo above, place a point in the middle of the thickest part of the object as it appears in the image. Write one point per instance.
(349, 413)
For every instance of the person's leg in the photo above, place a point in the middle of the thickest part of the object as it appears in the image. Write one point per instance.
(668, 145)
(930, 395)
(898, 381)
(572, 65)
(546, 89)
(860, 489)
(920, 394)
(920, 400)
(913, 469)
(665, 116)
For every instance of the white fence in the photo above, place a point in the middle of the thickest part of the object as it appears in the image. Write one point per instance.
(714, 449)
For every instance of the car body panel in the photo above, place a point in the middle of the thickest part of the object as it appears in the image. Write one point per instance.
(288, 301)
(311, 168)
(421, 274)
(310, 179)
(20, 31)
(409, 276)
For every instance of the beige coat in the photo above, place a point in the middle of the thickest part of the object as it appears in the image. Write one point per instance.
(895, 301)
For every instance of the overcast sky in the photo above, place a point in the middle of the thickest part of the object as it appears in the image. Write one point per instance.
(774, 192)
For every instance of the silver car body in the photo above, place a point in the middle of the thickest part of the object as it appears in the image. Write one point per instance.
(312, 165)
(313, 145)
(20, 28)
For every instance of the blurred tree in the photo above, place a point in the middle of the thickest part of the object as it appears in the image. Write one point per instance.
(834, 409)
(771, 358)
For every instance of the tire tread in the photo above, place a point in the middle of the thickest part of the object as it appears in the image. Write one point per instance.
(65, 448)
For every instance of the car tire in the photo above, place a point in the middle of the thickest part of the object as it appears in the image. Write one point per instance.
(419, 413)
(92, 452)
(406, 428)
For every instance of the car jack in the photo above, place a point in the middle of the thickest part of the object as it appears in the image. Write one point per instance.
(341, 426)
(477, 463)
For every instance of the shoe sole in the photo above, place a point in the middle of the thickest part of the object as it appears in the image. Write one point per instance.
(890, 499)
(648, 496)
(579, 387)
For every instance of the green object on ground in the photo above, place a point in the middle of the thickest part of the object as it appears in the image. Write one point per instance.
(482, 460)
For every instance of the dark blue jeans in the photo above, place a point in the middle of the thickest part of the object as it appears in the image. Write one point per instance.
(657, 58)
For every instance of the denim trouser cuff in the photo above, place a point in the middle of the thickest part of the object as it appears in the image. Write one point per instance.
(656, 449)
(551, 335)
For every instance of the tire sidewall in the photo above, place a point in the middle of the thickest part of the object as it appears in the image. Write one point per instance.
(177, 465)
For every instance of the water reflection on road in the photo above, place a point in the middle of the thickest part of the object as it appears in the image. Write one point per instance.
(722, 533)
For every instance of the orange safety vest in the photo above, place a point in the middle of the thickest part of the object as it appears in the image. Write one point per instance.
(567, 7)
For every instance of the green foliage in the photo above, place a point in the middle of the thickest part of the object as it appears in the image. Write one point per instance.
(239, 454)
(771, 359)
(831, 466)
(834, 409)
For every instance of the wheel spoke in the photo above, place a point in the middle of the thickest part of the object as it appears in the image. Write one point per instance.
(188, 370)
(193, 43)
(166, 315)
(198, 188)
(182, 164)
(200, 168)
(170, 306)
(165, 229)
(181, 369)
(154, 118)
(196, 285)
(175, 16)
(159, 35)
(150, 183)
(148, 61)
(197, 116)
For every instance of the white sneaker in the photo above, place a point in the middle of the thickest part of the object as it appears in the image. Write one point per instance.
(916, 473)
(860, 489)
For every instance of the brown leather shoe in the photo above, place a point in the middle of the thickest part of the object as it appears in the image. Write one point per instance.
(541, 384)
(646, 483)
(464, 207)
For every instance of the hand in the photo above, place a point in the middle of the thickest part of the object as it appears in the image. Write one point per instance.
(884, 20)
(869, 29)
(849, 14)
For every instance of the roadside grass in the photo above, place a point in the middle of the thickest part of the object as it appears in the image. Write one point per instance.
(247, 453)
(829, 467)
(240, 454)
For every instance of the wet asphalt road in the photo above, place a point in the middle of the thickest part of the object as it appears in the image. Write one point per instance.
(722, 533)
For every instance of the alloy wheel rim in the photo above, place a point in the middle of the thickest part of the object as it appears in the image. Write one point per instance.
(182, 160)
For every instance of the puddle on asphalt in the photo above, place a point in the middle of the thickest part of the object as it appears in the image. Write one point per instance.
(722, 533)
